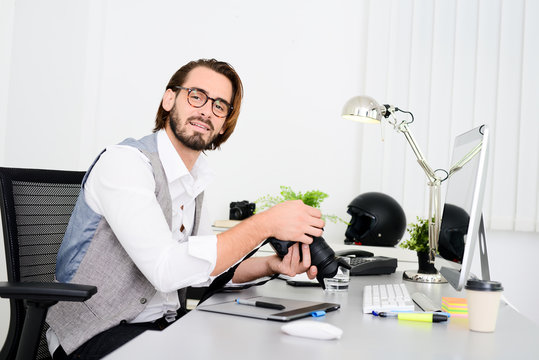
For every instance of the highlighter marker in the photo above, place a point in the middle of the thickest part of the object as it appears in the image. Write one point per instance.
(415, 316)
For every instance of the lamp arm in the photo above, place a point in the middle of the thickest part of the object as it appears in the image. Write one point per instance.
(434, 182)
(405, 130)
(469, 156)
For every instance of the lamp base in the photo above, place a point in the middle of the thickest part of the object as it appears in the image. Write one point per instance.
(415, 276)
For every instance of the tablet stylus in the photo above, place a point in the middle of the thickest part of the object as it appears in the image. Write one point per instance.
(261, 304)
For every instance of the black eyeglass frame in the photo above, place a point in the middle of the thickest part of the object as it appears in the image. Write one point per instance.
(189, 90)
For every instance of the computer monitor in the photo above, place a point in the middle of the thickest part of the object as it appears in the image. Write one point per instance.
(462, 221)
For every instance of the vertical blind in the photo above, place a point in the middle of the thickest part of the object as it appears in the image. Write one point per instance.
(455, 65)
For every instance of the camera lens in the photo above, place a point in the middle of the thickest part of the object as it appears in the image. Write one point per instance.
(236, 213)
(322, 256)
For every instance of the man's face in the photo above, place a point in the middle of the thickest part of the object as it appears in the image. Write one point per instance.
(196, 128)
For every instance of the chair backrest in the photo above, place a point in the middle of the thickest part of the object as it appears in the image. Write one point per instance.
(36, 206)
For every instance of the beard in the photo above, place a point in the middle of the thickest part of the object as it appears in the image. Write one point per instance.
(194, 141)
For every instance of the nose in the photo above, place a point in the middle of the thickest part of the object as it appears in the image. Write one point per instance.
(206, 110)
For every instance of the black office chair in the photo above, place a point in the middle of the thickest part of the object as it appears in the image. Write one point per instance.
(36, 206)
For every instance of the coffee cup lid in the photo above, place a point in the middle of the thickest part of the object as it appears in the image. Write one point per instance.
(483, 285)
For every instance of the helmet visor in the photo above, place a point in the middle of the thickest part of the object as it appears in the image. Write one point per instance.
(360, 226)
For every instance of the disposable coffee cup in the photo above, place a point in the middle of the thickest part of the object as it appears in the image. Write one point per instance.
(483, 304)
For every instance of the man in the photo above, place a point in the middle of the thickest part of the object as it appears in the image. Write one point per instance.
(140, 233)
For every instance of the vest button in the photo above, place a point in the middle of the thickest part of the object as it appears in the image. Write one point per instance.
(123, 322)
(143, 300)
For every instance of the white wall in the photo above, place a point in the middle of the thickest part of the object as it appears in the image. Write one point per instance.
(79, 75)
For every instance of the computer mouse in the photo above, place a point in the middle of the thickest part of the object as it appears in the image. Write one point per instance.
(312, 329)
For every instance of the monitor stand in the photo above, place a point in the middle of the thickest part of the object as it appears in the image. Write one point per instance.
(485, 270)
(453, 275)
(416, 276)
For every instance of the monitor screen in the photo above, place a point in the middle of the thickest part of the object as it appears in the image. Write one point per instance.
(462, 225)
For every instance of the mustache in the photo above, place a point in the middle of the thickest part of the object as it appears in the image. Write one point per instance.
(205, 121)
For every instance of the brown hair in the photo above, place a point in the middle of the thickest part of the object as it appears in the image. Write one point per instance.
(220, 67)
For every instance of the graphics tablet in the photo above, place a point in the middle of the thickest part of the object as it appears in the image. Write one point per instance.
(293, 309)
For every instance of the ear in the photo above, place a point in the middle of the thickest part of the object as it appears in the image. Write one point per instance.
(168, 99)
(223, 128)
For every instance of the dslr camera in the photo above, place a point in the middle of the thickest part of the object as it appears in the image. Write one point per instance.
(322, 256)
(240, 210)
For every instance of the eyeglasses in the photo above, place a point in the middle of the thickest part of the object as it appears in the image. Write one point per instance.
(198, 98)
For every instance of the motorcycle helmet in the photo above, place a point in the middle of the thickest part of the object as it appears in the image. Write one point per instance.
(377, 219)
(453, 229)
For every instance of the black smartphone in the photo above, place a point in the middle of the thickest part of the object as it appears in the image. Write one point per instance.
(302, 283)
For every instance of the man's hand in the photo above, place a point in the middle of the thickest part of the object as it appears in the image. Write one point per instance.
(289, 221)
(258, 266)
(294, 221)
(291, 265)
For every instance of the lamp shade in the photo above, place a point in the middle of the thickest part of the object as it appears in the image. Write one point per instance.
(364, 109)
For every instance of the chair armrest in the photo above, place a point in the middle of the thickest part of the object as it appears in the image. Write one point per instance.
(38, 291)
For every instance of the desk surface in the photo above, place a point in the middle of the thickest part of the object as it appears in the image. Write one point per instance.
(204, 335)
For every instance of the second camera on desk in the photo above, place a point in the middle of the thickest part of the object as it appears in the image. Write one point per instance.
(240, 210)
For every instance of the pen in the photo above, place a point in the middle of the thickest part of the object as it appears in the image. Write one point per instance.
(415, 316)
(261, 304)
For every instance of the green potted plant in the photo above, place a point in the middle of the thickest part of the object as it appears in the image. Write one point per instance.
(419, 242)
(312, 198)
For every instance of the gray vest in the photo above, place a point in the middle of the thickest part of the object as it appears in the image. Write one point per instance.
(91, 254)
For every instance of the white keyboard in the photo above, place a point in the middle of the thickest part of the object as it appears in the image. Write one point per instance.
(386, 297)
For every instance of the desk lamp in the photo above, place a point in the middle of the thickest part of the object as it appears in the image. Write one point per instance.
(365, 109)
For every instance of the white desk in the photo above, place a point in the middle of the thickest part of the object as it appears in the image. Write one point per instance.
(204, 335)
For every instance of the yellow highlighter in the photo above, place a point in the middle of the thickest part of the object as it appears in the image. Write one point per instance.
(416, 316)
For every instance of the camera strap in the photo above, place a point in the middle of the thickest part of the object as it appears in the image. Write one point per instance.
(219, 283)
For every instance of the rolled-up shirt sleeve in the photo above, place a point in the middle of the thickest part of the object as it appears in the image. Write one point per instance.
(121, 187)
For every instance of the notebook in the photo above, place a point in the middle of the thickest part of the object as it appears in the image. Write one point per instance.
(293, 309)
